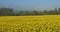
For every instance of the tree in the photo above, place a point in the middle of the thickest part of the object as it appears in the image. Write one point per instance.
(21, 12)
(6, 11)
(51, 12)
(58, 10)
(45, 12)
(26, 12)
(34, 12)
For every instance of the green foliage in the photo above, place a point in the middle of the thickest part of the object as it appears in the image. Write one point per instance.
(9, 11)
(6, 11)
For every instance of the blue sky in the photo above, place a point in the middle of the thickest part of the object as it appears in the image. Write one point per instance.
(30, 4)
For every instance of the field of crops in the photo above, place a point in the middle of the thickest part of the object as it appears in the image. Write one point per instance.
(45, 23)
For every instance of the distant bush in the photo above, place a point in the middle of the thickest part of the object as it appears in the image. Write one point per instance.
(10, 12)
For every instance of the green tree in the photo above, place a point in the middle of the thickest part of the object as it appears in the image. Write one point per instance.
(22, 12)
(58, 10)
(45, 12)
(34, 12)
(6, 11)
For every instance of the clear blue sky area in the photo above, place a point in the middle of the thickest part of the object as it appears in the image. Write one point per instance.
(29, 4)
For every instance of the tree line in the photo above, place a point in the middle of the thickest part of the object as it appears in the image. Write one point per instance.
(10, 12)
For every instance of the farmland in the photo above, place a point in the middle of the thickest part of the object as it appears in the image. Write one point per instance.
(44, 23)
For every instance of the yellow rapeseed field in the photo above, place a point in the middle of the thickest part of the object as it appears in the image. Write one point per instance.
(44, 23)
